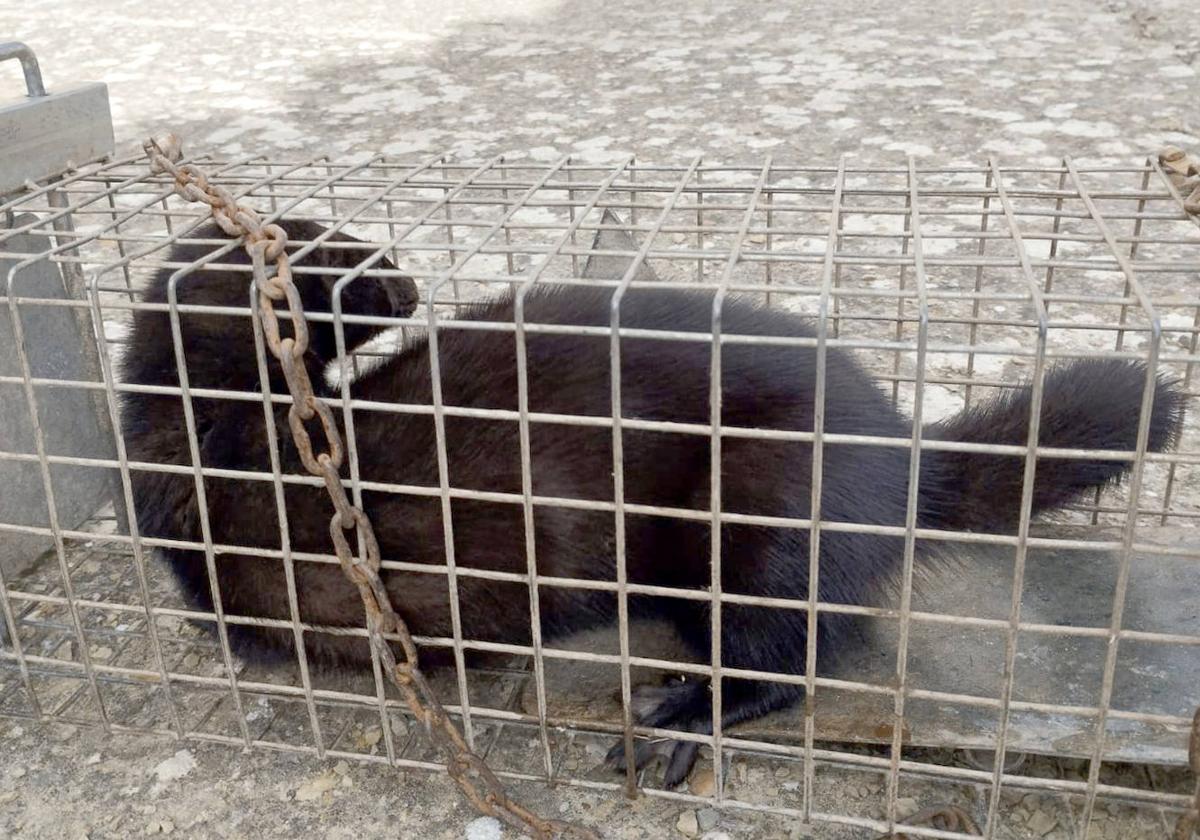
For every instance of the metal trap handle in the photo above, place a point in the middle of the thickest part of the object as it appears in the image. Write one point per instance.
(29, 66)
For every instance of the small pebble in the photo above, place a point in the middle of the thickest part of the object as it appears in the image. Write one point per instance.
(160, 827)
(1042, 823)
(483, 828)
(905, 807)
(102, 652)
(687, 824)
(94, 758)
(174, 768)
(707, 818)
(368, 738)
(315, 788)
(703, 783)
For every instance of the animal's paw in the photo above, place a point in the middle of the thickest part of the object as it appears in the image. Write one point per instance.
(682, 705)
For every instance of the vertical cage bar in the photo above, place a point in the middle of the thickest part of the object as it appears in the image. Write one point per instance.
(138, 549)
(39, 440)
(345, 375)
(770, 201)
(439, 423)
(619, 468)
(899, 336)
(1123, 320)
(1026, 510)
(1193, 343)
(281, 513)
(913, 219)
(973, 330)
(715, 397)
(1135, 487)
(1055, 229)
(115, 226)
(570, 218)
(818, 462)
(18, 651)
(700, 227)
(201, 499)
(535, 609)
(837, 281)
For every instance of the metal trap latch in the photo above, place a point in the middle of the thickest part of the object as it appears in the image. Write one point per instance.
(46, 134)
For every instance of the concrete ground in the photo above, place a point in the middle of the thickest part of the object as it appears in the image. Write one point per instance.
(667, 80)
(732, 81)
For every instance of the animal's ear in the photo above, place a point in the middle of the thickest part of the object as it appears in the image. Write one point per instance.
(615, 237)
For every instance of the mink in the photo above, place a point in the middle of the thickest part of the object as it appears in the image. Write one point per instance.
(1091, 404)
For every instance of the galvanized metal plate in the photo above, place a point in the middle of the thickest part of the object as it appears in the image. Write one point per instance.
(1066, 588)
(43, 136)
(73, 421)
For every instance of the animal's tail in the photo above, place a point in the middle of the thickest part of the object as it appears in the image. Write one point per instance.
(1092, 404)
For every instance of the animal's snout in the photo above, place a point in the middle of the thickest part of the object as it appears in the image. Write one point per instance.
(401, 295)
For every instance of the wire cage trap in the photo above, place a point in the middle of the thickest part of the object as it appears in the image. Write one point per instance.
(1073, 648)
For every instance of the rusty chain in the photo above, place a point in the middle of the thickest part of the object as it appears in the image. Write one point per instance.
(1188, 825)
(267, 246)
(941, 817)
(1183, 171)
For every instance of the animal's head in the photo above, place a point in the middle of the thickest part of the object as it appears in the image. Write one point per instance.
(382, 293)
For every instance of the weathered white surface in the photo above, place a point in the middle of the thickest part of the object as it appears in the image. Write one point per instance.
(802, 81)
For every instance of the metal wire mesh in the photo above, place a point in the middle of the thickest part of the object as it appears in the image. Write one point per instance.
(948, 283)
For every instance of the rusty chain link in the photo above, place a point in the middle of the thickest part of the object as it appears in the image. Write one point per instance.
(941, 817)
(267, 245)
(1188, 825)
(1183, 171)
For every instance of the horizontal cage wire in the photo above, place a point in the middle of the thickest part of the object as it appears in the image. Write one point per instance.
(1042, 680)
